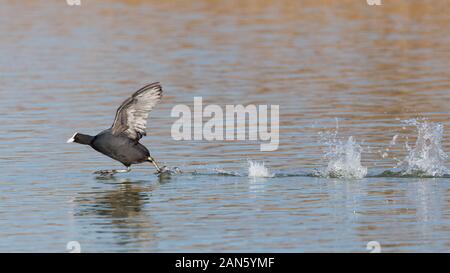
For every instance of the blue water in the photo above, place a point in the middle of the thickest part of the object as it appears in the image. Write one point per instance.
(66, 69)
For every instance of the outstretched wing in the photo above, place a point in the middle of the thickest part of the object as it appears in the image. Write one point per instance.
(131, 117)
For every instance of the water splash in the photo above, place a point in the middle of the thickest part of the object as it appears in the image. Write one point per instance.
(343, 157)
(394, 140)
(426, 157)
(170, 170)
(223, 172)
(385, 153)
(257, 169)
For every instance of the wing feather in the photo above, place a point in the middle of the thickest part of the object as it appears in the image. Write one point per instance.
(131, 116)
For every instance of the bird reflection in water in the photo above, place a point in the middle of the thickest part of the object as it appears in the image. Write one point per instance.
(119, 210)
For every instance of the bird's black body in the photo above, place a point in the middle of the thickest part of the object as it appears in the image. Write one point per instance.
(120, 148)
(121, 141)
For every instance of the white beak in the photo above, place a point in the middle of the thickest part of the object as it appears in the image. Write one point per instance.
(72, 139)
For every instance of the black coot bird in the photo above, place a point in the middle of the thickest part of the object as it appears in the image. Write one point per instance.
(121, 141)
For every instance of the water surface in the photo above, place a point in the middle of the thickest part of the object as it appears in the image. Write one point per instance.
(65, 69)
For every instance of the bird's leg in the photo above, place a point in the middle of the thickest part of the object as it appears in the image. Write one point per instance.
(112, 172)
(158, 169)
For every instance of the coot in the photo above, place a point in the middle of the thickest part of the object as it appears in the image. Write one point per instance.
(121, 141)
